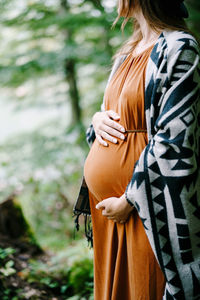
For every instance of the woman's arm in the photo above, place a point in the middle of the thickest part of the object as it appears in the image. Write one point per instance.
(103, 122)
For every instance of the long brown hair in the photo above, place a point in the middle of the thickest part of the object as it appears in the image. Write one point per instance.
(158, 13)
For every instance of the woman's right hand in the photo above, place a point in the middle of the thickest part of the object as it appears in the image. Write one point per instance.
(106, 127)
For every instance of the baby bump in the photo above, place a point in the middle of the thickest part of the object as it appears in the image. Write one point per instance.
(108, 170)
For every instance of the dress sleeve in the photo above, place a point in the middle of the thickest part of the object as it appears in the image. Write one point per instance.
(165, 186)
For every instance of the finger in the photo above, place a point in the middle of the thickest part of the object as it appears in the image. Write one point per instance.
(101, 141)
(108, 213)
(114, 124)
(104, 213)
(112, 131)
(100, 205)
(111, 218)
(113, 114)
(108, 137)
(116, 220)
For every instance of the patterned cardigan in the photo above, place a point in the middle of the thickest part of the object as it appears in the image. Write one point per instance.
(165, 186)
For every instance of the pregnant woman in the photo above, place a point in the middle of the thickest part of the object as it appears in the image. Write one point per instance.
(142, 170)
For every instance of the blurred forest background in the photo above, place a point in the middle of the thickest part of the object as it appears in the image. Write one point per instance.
(55, 57)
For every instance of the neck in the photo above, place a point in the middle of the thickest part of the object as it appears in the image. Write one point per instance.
(148, 34)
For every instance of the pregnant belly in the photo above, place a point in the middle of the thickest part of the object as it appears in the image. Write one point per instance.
(108, 170)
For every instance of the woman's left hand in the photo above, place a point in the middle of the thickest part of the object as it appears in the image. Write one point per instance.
(115, 209)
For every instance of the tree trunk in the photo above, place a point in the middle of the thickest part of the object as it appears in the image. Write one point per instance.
(70, 72)
(73, 90)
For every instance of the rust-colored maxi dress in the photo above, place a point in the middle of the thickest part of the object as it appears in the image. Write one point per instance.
(125, 267)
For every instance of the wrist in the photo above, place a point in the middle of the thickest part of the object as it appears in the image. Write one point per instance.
(127, 203)
(127, 200)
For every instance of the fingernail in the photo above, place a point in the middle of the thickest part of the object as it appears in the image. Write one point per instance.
(122, 129)
(105, 144)
(122, 137)
(115, 141)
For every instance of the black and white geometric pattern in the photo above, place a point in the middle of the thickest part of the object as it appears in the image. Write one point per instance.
(165, 186)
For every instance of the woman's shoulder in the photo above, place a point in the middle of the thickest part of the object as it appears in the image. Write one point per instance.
(180, 40)
(172, 48)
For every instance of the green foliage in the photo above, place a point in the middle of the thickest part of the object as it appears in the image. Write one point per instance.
(8, 269)
(8, 294)
(65, 275)
(74, 30)
(81, 277)
(6, 264)
(68, 273)
(194, 19)
(50, 169)
(5, 252)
